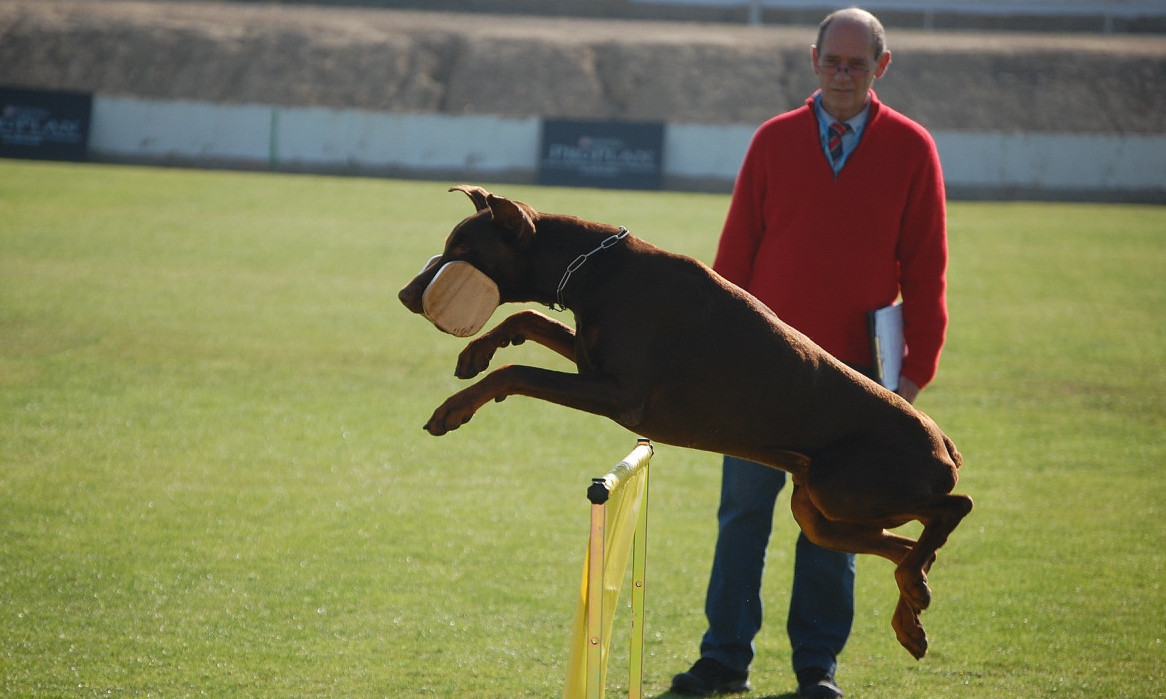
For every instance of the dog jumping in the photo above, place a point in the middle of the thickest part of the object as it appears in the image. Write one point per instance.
(667, 348)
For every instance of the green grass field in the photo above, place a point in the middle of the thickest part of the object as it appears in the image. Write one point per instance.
(214, 482)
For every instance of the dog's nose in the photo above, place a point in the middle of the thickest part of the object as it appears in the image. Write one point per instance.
(410, 298)
(411, 294)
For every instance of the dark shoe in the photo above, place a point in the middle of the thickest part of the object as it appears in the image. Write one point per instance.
(816, 683)
(708, 677)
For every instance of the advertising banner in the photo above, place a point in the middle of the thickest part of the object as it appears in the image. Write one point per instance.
(44, 125)
(611, 154)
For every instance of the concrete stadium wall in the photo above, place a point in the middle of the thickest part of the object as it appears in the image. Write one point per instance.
(462, 96)
(696, 156)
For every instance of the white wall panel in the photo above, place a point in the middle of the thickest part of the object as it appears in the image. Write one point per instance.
(482, 146)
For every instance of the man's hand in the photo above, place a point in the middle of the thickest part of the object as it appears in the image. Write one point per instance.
(908, 389)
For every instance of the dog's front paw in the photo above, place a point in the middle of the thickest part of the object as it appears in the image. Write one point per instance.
(449, 416)
(476, 357)
(441, 424)
(438, 426)
(473, 360)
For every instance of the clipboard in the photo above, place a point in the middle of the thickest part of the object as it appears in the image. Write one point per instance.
(885, 326)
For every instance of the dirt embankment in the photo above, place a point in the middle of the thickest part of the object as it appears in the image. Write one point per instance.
(428, 62)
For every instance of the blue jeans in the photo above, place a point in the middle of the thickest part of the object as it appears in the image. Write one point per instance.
(822, 601)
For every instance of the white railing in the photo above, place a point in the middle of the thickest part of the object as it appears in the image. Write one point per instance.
(1104, 10)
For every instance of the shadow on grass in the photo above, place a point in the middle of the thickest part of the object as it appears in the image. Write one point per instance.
(673, 695)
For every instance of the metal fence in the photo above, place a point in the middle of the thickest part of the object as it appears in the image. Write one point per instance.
(1106, 14)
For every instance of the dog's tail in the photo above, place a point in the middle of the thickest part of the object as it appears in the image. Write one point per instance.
(956, 457)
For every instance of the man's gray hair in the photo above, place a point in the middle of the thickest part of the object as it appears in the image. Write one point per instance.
(856, 14)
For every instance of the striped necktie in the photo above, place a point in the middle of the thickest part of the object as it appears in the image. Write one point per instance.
(837, 129)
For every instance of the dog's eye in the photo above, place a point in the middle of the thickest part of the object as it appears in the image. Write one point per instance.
(460, 250)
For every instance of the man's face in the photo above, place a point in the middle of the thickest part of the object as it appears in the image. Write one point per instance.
(846, 67)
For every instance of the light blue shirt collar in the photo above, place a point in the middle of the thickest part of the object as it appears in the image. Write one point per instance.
(849, 140)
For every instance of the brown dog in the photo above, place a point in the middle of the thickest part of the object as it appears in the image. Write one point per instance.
(667, 348)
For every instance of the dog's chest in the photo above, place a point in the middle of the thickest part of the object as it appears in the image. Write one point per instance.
(589, 354)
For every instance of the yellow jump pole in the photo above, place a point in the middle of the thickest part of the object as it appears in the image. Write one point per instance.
(595, 640)
(601, 594)
(639, 580)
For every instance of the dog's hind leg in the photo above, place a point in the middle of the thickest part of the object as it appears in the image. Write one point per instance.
(939, 519)
(911, 574)
(908, 629)
(912, 559)
(514, 330)
(846, 536)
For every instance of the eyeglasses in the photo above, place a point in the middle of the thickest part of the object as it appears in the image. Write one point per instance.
(856, 69)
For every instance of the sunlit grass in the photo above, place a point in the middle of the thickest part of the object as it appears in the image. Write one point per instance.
(213, 478)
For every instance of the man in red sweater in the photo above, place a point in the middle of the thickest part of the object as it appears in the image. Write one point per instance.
(839, 209)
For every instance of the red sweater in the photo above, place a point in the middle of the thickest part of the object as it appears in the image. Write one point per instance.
(822, 250)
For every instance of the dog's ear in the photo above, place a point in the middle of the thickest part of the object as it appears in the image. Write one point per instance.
(516, 218)
(476, 194)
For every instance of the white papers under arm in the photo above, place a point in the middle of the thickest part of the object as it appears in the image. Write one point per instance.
(887, 344)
